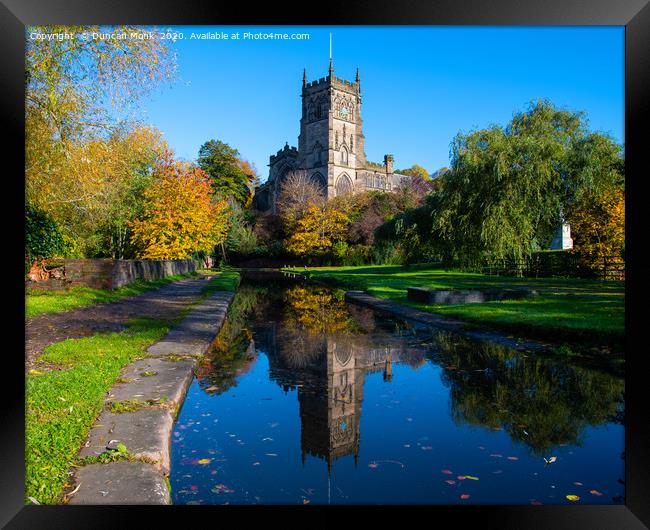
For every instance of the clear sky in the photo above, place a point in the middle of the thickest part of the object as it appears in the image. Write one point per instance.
(420, 85)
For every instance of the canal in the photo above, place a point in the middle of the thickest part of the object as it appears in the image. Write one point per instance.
(308, 399)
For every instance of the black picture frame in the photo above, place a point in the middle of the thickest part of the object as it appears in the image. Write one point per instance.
(633, 14)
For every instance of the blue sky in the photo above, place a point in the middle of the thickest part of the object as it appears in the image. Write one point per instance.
(420, 85)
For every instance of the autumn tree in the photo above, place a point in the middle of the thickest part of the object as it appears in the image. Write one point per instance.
(598, 229)
(78, 160)
(320, 228)
(415, 171)
(230, 175)
(180, 215)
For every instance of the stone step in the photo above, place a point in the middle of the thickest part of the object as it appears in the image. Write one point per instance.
(145, 433)
(121, 482)
(154, 380)
(194, 335)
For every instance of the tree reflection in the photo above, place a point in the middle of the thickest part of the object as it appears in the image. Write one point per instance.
(540, 402)
(233, 351)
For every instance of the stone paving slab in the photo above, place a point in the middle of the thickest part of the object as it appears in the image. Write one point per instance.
(167, 381)
(145, 433)
(121, 482)
(194, 335)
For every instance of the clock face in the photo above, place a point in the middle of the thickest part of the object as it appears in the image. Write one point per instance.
(344, 112)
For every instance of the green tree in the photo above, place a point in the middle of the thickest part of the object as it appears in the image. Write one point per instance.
(43, 239)
(230, 175)
(508, 187)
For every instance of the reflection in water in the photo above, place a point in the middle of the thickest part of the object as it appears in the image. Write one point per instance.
(324, 350)
(539, 402)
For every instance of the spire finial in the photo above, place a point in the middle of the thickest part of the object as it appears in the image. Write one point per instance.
(304, 77)
(358, 77)
(331, 61)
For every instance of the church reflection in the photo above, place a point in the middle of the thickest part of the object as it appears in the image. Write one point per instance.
(328, 369)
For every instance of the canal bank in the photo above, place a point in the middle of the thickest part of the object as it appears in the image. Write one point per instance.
(127, 451)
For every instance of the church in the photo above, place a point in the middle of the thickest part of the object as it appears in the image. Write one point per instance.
(330, 145)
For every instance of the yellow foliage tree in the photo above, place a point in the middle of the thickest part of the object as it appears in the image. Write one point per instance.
(598, 229)
(179, 215)
(317, 231)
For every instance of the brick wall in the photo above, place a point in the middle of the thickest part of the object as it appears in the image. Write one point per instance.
(111, 273)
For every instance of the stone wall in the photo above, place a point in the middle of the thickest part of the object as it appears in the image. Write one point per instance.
(112, 273)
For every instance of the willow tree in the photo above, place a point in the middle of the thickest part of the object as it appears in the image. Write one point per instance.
(509, 187)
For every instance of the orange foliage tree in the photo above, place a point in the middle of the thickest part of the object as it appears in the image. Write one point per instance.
(598, 227)
(180, 217)
(318, 230)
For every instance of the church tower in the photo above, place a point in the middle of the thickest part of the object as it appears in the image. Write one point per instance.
(331, 141)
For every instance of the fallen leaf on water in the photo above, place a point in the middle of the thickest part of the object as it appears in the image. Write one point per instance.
(221, 488)
(596, 492)
(194, 488)
(212, 389)
(573, 497)
(513, 458)
(204, 461)
(551, 460)
(497, 472)
(426, 448)
(305, 501)
(256, 463)
(373, 465)
(496, 455)
(270, 454)
(465, 496)
(470, 477)
(213, 472)
(461, 477)
(577, 483)
(450, 481)
(447, 472)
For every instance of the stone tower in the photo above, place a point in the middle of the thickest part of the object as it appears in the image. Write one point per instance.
(331, 141)
(331, 144)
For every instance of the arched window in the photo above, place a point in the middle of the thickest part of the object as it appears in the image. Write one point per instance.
(343, 185)
(320, 180)
(344, 155)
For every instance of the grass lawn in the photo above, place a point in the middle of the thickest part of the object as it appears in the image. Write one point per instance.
(65, 394)
(40, 302)
(571, 308)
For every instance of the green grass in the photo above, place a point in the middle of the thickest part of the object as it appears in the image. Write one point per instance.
(565, 308)
(66, 389)
(41, 302)
(226, 281)
(62, 404)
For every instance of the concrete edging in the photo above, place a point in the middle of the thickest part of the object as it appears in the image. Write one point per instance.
(140, 412)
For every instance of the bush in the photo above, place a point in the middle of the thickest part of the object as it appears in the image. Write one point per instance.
(43, 238)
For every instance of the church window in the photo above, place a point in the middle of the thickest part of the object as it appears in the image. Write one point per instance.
(344, 155)
(343, 185)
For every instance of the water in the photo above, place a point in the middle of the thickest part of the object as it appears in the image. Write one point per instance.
(312, 400)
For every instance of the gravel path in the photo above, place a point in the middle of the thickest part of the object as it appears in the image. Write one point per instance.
(165, 303)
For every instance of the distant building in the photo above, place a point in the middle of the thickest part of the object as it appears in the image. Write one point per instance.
(562, 239)
(330, 145)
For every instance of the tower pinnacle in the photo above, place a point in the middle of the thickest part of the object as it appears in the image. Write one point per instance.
(304, 77)
(331, 70)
